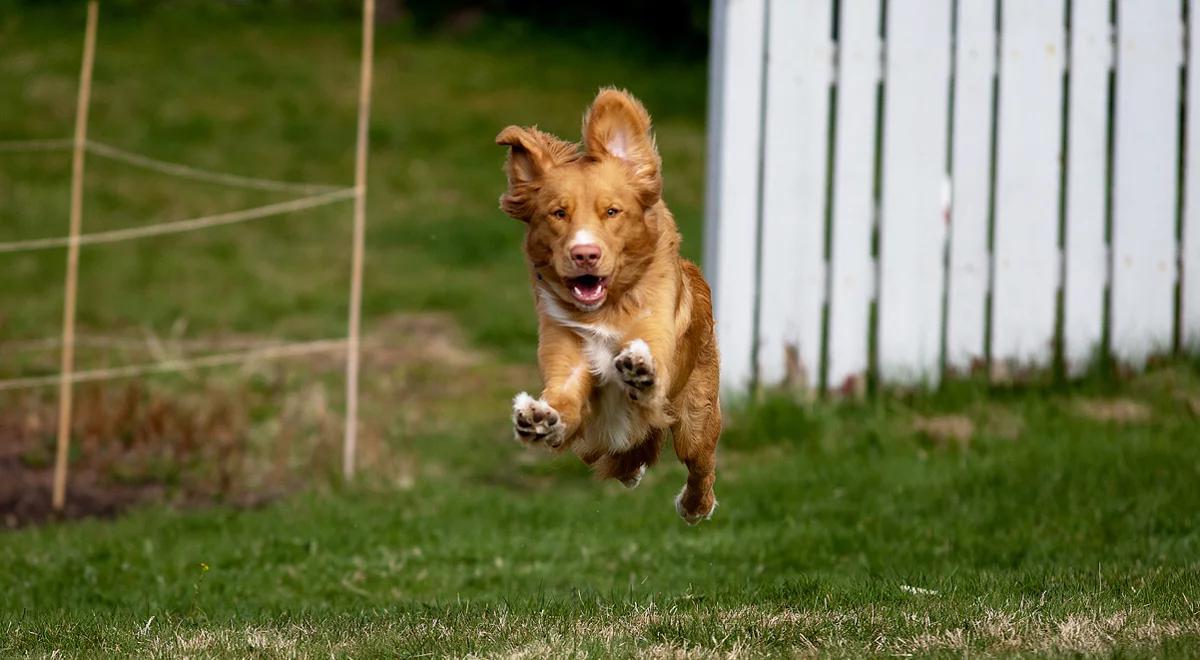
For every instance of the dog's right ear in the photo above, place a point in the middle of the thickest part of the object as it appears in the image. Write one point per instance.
(531, 153)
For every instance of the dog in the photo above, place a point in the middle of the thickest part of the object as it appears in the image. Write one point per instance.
(626, 346)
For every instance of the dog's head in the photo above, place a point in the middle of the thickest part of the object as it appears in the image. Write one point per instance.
(591, 231)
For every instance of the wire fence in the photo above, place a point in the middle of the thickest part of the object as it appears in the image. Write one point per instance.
(187, 172)
(148, 343)
(178, 226)
(314, 195)
(165, 167)
(294, 349)
(10, 146)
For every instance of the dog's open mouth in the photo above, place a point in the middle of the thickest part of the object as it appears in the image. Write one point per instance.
(588, 289)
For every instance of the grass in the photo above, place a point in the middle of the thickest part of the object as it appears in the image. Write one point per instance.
(841, 530)
(1048, 520)
(278, 101)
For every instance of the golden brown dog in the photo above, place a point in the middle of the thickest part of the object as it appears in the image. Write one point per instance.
(626, 346)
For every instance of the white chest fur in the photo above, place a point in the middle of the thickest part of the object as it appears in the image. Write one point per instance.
(614, 424)
(613, 421)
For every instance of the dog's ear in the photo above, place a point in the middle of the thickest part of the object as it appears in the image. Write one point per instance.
(618, 126)
(531, 153)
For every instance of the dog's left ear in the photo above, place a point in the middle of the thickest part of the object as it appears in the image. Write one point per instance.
(618, 126)
(531, 153)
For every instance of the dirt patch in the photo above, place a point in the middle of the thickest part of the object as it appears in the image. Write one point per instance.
(1193, 404)
(406, 339)
(238, 438)
(130, 445)
(1113, 411)
(945, 430)
(25, 493)
(1001, 423)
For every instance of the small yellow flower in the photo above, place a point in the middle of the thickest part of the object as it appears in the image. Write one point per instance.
(203, 567)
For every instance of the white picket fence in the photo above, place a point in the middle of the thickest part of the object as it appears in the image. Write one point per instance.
(920, 187)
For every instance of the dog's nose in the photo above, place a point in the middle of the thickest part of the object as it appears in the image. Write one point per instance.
(585, 256)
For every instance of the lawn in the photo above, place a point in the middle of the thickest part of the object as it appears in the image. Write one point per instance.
(1046, 519)
(1063, 522)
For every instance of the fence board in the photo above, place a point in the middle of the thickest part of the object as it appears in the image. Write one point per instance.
(912, 226)
(999, 228)
(1026, 268)
(733, 211)
(794, 172)
(974, 67)
(1085, 267)
(1189, 310)
(852, 268)
(1144, 176)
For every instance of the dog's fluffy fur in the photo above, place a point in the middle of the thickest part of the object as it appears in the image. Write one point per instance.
(626, 346)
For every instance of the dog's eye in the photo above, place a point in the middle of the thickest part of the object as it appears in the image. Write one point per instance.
(559, 213)
(613, 211)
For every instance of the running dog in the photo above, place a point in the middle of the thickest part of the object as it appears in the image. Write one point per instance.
(626, 347)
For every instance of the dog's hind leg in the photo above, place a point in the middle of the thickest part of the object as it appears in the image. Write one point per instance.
(695, 440)
(629, 467)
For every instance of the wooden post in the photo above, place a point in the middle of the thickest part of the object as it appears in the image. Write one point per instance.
(360, 202)
(68, 335)
(732, 212)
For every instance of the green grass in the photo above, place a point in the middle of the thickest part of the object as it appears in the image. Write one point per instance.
(842, 530)
(1047, 532)
(279, 101)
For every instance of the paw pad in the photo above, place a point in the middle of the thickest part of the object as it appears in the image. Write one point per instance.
(536, 421)
(635, 365)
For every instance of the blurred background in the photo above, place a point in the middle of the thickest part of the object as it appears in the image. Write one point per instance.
(1040, 515)
(269, 90)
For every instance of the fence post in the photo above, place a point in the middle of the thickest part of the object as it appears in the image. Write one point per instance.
(62, 451)
(360, 201)
(731, 216)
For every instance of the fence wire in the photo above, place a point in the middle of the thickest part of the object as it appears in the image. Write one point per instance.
(180, 364)
(19, 146)
(197, 174)
(178, 226)
(317, 195)
(128, 343)
(179, 170)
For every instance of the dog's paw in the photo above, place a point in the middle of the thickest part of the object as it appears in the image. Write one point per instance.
(635, 365)
(535, 421)
(634, 479)
(691, 511)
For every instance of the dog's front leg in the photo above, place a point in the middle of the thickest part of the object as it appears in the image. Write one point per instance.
(556, 416)
(644, 365)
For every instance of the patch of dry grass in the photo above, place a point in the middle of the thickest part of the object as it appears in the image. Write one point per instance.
(1114, 411)
(736, 633)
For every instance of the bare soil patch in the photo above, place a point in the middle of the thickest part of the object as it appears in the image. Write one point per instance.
(240, 438)
(945, 430)
(1114, 411)
(130, 445)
